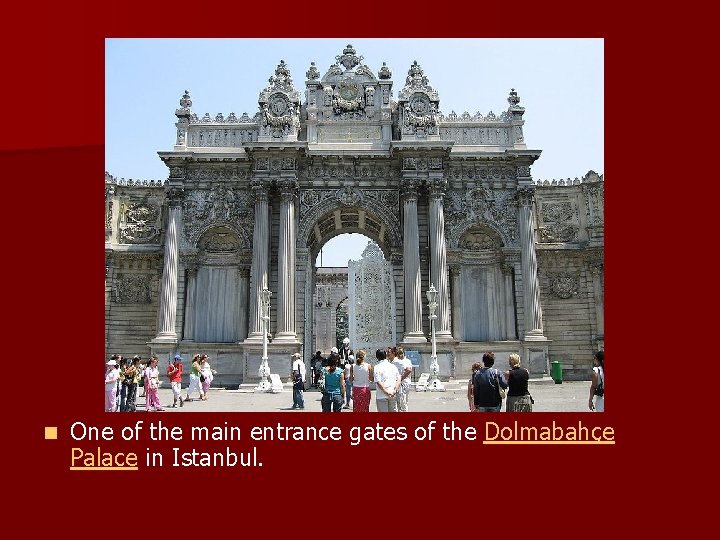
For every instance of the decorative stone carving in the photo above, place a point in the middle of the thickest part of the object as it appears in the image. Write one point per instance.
(221, 204)
(418, 104)
(349, 196)
(558, 232)
(132, 289)
(280, 107)
(312, 73)
(557, 222)
(384, 72)
(565, 285)
(220, 242)
(478, 240)
(495, 208)
(140, 224)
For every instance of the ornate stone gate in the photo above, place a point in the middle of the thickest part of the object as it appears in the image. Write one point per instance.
(448, 199)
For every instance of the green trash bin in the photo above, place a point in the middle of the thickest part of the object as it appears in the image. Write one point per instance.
(556, 371)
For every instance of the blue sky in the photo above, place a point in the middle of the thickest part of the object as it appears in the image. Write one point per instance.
(560, 83)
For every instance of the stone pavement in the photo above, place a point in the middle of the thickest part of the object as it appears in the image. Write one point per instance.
(570, 396)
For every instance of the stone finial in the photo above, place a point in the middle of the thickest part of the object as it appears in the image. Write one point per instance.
(312, 73)
(513, 99)
(185, 101)
(282, 69)
(384, 72)
(416, 76)
(349, 59)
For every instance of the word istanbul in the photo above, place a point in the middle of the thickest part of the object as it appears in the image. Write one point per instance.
(228, 458)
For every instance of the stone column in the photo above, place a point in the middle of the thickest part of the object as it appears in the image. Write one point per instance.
(168, 289)
(596, 270)
(411, 267)
(438, 259)
(243, 302)
(457, 320)
(286, 264)
(509, 303)
(259, 272)
(528, 262)
(190, 280)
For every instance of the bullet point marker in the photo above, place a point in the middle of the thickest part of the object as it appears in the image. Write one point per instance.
(51, 432)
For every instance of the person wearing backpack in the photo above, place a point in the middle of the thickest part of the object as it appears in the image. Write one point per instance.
(597, 387)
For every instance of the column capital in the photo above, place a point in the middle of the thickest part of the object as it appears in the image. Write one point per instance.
(526, 195)
(259, 190)
(288, 188)
(175, 196)
(410, 188)
(437, 187)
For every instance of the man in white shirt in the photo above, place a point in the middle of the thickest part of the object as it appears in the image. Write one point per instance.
(112, 376)
(404, 367)
(387, 382)
(298, 376)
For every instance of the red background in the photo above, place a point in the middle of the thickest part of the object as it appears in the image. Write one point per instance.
(52, 165)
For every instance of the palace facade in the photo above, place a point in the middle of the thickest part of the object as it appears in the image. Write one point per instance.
(447, 200)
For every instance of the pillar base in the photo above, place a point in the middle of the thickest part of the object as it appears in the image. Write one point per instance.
(444, 336)
(165, 338)
(414, 337)
(264, 386)
(254, 337)
(286, 337)
(435, 385)
(534, 335)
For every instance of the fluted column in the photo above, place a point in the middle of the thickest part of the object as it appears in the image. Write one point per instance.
(528, 261)
(411, 267)
(438, 259)
(168, 289)
(457, 320)
(259, 277)
(243, 291)
(509, 303)
(596, 270)
(286, 264)
(190, 281)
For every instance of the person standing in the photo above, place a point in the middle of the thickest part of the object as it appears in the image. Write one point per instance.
(404, 367)
(486, 386)
(597, 386)
(132, 377)
(344, 353)
(518, 396)
(471, 400)
(361, 375)
(316, 364)
(195, 369)
(297, 372)
(387, 382)
(174, 373)
(347, 374)
(143, 368)
(334, 393)
(207, 374)
(111, 378)
(124, 381)
(152, 383)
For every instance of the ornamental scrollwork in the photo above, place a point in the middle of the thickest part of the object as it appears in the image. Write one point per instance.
(140, 224)
(348, 97)
(349, 196)
(558, 232)
(132, 289)
(565, 286)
